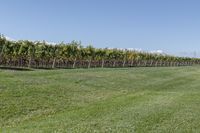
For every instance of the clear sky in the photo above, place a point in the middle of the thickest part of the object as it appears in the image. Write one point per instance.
(169, 25)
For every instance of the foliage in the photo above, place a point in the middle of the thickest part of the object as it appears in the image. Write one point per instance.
(25, 53)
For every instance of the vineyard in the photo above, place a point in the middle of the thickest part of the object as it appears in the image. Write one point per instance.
(39, 54)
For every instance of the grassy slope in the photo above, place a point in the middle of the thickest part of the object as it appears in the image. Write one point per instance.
(101, 100)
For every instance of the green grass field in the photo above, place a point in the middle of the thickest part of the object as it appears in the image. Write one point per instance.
(101, 100)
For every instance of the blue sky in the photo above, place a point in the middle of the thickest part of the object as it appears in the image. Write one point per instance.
(169, 25)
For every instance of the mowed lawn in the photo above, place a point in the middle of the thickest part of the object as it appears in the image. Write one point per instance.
(101, 100)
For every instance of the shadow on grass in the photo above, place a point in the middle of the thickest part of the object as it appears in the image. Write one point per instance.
(27, 69)
(43, 68)
(15, 68)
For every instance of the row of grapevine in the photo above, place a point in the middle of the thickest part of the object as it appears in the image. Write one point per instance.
(74, 55)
